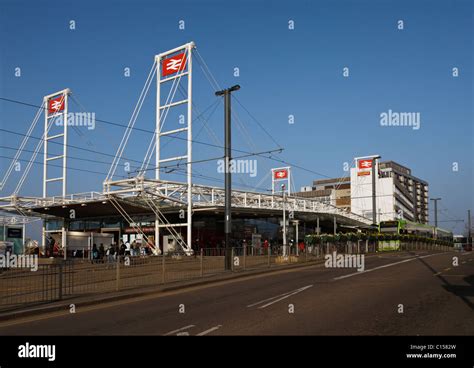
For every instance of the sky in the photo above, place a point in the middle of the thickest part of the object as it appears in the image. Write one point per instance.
(290, 57)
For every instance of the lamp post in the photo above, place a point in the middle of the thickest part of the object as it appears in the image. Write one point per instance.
(374, 196)
(284, 221)
(228, 179)
(435, 200)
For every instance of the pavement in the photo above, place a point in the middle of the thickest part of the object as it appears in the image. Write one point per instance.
(402, 293)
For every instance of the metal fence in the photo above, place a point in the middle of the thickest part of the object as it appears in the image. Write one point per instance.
(78, 277)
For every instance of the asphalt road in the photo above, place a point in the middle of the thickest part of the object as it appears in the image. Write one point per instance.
(397, 294)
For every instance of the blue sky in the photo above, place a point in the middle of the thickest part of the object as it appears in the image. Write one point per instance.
(282, 72)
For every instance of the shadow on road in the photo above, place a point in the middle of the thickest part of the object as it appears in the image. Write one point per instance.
(464, 292)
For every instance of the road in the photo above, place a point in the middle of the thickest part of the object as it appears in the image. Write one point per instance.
(397, 294)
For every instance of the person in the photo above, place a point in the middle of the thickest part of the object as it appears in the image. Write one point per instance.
(196, 247)
(116, 250)
(301, 246)
(123, 248)
(55, 250)
(110, 254)
(51, 244)
(101, 251)
(265, 246)
(95, 253)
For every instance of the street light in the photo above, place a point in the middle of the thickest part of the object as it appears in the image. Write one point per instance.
(284, 220)
(228, 180)
(435, 200)
(374, 199)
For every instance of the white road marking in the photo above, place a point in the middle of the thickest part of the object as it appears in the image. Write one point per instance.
(179, 329)
(279, 297)
(379, 267)
(274, 297)
(209, 331)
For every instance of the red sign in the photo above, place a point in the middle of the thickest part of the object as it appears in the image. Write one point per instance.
(56, 105)
(145, 229)
(280, 174)
(365, 164)
(363, 173)
(173, 64)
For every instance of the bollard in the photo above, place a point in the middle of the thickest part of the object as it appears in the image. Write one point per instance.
(163, 269)
(60, 283)
(117, 274)
(232, 257)
(202, 271)
(245, 257)
(269, 254)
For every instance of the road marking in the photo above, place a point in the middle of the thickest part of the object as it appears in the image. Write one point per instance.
(273, 297)
(209, 331)
(463, 262)
(454, 275)
(447, 269)
(437, 274)
(280, 297)
(178, 330)
(379, 267)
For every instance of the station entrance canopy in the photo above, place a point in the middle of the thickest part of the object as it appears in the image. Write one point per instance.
(143, 195)
(135, 194)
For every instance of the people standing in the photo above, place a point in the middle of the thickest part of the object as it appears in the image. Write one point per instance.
(95, 253)
(101, 251)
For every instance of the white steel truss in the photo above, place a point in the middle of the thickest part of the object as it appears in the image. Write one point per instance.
(55, 107)
(61, 100)
(171, 66)
(176, 194)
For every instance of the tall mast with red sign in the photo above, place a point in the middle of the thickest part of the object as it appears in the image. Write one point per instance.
(55, 114)
(282, 175)
(172, 68)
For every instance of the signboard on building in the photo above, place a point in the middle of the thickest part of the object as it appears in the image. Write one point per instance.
(14, 233)
(365, 164)
(364, 167)
(144, 229)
